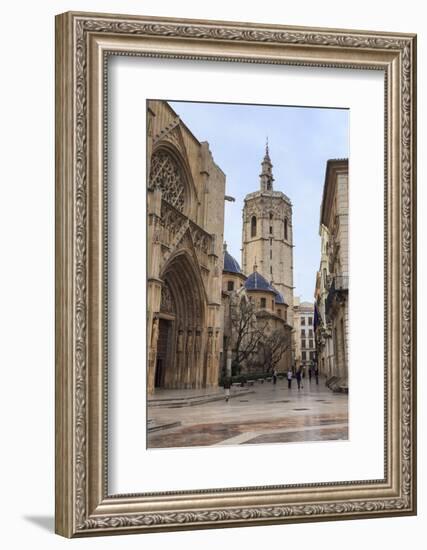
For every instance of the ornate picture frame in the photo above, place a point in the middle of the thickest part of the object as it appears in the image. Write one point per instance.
(84, 42)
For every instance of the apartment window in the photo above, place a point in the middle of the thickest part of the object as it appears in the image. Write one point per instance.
(253, 226)
(285, 229)
(311, 344)
(310, 320)
(302, 321)
(303, 343)
(272, 305)
(230, 285)
(263, 302)
(312, 354)
(303, 356)
(302, 333)
(310, 333)
(271, 229)
(279, 312)
(271, 216)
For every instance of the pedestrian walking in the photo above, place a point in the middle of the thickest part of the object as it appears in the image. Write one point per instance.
(298, 377)
(316, 374)
(289, 376)
(227, 386)
(274, 376)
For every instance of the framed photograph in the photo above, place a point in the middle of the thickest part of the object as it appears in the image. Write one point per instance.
(235, 274)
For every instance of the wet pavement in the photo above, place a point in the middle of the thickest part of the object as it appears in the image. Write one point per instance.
(269, 414)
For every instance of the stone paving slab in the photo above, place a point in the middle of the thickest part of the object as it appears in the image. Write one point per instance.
(313, 413)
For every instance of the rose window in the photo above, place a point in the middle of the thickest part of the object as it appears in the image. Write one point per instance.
(166, 175)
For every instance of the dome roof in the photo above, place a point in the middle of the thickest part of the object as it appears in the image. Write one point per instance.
(279, 298)
(256, 281)
(230, 264)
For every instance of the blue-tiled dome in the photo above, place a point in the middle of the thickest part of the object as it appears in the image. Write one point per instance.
(255, 281)
(279, 298)
(230, 264)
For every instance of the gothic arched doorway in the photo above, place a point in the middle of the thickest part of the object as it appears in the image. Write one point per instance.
(181, 342)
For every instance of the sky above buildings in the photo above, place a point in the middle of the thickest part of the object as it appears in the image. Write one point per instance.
(300, 139)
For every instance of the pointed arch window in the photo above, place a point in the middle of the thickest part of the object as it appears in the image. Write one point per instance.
(253, 226)
(285, 229)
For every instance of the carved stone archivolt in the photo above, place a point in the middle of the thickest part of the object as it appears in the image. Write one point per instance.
(167, 303)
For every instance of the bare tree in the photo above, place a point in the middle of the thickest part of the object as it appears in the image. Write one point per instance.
(247, 334)
(273, 348)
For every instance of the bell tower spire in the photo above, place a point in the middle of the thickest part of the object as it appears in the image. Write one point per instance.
(267, 236)
(266, 176)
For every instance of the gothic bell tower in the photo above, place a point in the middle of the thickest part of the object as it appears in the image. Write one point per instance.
(267, 239)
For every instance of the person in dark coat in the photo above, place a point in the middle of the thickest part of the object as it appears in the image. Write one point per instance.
(316, 374)
(298, 377)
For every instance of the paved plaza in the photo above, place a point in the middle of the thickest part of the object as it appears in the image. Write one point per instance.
(262, 413)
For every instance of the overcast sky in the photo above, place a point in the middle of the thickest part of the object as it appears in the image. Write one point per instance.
(301, 140)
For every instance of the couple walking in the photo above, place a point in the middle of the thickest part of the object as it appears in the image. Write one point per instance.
(298, 377)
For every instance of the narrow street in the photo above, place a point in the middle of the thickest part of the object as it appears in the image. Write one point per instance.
(263, 413)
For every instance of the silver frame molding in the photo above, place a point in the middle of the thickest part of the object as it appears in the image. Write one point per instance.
(83, 43)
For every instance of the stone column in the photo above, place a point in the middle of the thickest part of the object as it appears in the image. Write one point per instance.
(209, 356)
(198, 357)
(180, 348)
(152, 356)
(215, 367)
(189, 360)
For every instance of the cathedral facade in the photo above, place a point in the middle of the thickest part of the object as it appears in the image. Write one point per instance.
(185, 222)
(198, 297)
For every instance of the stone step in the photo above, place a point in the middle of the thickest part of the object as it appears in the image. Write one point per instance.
(154, 426)
(176, 403)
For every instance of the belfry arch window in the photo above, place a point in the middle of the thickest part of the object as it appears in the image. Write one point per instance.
(166, 175)
(253, 226)
(285, 229)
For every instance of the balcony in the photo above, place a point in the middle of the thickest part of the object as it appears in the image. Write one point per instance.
(337, 292)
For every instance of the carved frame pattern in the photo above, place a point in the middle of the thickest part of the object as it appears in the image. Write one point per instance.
(83, 506)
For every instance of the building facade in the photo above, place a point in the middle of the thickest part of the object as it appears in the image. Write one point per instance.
(332, 281)
(185, 225)
(305, 349)
(324, 343)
